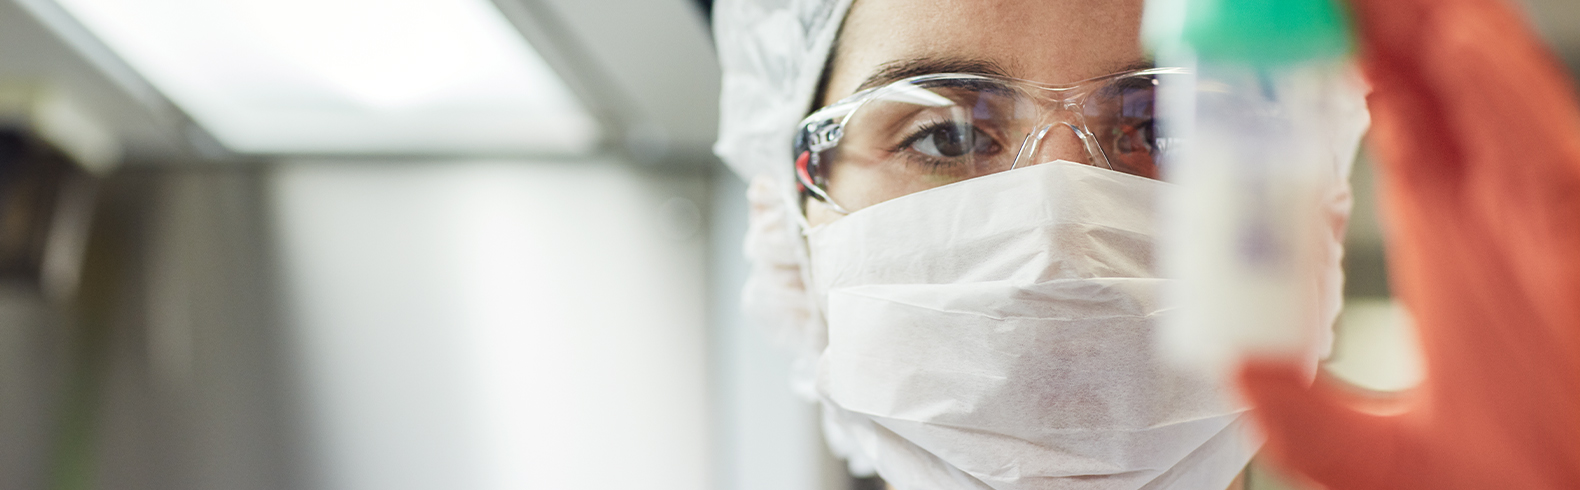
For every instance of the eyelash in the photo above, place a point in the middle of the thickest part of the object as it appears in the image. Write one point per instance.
(924, 131)
(919, 133)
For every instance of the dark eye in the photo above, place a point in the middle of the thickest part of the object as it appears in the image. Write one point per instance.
(951, 141)
(1135, 137)
(1135, 148)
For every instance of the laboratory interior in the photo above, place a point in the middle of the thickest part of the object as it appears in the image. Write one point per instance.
(423, 244)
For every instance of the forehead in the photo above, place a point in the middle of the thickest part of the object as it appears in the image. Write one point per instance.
(1051, 41)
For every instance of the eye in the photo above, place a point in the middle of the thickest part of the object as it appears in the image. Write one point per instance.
(951, 140)
(1135, 137)
(1134, 149)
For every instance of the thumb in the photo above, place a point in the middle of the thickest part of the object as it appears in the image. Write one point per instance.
(1318, 430)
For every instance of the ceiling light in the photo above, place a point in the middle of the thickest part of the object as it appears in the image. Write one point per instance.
(347, 76)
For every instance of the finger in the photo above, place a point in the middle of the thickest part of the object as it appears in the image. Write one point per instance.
(1458, 81)
(1315, 432)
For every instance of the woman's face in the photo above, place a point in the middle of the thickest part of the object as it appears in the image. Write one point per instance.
(1050, 41)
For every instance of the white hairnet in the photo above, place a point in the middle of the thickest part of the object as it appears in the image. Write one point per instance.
(772, 53)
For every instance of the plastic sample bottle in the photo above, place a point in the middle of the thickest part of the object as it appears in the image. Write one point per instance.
(1245, 222)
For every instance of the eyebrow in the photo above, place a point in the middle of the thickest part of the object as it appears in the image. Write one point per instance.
(1136, 65)
(895, 71)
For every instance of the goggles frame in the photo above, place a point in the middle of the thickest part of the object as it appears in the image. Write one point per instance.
(824, 128)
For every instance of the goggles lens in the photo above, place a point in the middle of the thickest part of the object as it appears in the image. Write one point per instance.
(934, 130)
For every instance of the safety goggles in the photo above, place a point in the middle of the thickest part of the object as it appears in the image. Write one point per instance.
(932, 130)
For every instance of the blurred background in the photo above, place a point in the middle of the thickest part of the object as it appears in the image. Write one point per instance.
(411, 244)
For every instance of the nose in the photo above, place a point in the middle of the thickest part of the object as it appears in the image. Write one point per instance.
(1057, 141)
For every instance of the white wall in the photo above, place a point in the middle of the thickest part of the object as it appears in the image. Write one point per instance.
(494, 325)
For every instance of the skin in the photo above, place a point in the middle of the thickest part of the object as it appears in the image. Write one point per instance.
(1049, 41)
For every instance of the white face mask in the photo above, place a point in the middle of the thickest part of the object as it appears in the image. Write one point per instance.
(997, 333)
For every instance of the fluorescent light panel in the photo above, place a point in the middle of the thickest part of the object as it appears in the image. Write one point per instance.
(347, 76)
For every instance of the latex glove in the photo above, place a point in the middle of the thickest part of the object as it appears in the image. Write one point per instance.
(1478, 140)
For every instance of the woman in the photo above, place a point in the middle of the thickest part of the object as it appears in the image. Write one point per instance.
(953, 214)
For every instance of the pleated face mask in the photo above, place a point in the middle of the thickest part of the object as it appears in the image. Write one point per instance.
(997, 333)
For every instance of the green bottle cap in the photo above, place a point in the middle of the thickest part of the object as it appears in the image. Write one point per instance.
(1255, 32)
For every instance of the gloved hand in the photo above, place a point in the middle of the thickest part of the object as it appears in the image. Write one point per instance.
(1477, 136)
